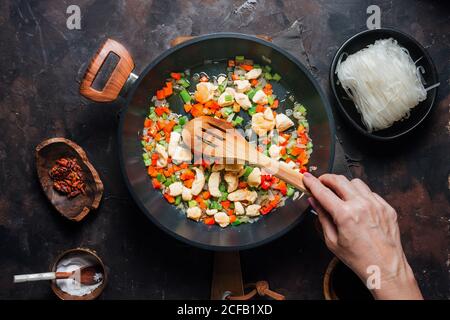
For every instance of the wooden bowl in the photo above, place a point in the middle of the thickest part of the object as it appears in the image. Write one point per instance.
(341, 283)
(75, 209)
(91, 255)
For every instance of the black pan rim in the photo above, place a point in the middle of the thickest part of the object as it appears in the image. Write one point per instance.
(341, 108)
(165, 54)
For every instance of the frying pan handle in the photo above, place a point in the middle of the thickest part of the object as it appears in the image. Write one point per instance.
(116, 80)
(182, 39)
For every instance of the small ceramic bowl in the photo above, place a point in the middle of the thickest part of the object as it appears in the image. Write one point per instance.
(418, 114)
(92, 258)
(341, 283)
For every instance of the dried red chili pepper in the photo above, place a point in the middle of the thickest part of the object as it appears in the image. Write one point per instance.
(67, 177)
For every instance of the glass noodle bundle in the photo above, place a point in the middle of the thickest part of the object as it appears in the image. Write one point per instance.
(383, 82)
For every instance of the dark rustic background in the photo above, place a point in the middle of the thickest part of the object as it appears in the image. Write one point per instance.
(41, 62)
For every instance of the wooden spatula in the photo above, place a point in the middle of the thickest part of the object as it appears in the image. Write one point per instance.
(218, 138)
(87, 276)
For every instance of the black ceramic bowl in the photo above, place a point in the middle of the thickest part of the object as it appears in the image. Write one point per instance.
(418, 113)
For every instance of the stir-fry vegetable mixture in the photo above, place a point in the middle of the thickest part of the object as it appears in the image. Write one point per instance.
(225, 194)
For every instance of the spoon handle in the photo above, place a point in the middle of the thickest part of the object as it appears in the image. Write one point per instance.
(34, 277)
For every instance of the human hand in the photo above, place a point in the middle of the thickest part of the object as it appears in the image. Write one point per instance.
(361, 229)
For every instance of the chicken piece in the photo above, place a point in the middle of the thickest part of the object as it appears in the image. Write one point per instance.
(274, 152)
(268, 114)
(199, 181)
(225, 99)
(162, 159)
(194, 213)
(281, 139)
(243, 100)
(213, 184)
(222, 219)
(175, 138)
(242, 85)
(182, 154)
(231, 91)
(254, 178)
(232, 180)
(186, 194)
(211, 212)
(243, 195)
(176, 189)
(221, 79)
(234, 167)
(283, 122)
(204, 92)
(239, 208)
(252, 210)
(260, 97)
(261, 125)
(218, 167)
(253, 74)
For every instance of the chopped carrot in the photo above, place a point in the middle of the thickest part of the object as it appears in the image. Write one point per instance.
(259, 108)
(204, 79)
(169, 84)
(300, 130)
(183, 165)
(176, 75)
(188, 183)
(218, 114)
(283, 151)
(187, 107)
(232, 218)
(242, 185)
(206, 195)
(152, 172)
(156, 184)
(254, 82)
(187, 174)
(158, 136)
(148, 123)
(169, 198)
(148, 147)
(230, 212)
(268, 86)
(160, 94)
(234, 77)
(209, 220)
(225, 204)
(275, 104)
(197, 110)
(167, 91)
(160, 111)
(246, 67)
(296, 151)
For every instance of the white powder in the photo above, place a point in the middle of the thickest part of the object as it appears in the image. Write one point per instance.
(71, 286)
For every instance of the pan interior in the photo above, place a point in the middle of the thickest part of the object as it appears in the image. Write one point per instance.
(209, 54)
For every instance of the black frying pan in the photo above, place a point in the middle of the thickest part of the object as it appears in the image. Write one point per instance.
(192, 54)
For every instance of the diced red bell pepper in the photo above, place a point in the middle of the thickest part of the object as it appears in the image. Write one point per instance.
(176, 75)
(209, 220)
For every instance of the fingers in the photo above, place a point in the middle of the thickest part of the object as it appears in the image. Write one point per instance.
(328, 227)
(340, 185)
(327, 198)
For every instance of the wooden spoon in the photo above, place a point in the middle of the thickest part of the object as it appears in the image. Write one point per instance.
(87, 276)
(217, 138)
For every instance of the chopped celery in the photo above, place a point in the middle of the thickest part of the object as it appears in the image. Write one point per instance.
(177, 128)
(252, 110)
(182, 121)
(290, 191)
(247, 171)
(237, 121)
(147, 162)
(177, 200)
(161, 177)
(240, 58)
(268, 76)
(222, 187)
(226, 111)
(192, 203)
(267, 68)
(145, 156)
(143, 143)
(251, 94)
(236, 222)
(184, 82)
(185, 96)
(276, 77)
(228, 98)
(270, 99)
(153, 116)
(164, 116)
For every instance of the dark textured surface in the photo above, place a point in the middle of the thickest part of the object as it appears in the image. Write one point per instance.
(41, 59)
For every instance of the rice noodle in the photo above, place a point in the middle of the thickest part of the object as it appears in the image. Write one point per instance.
(383, 82)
